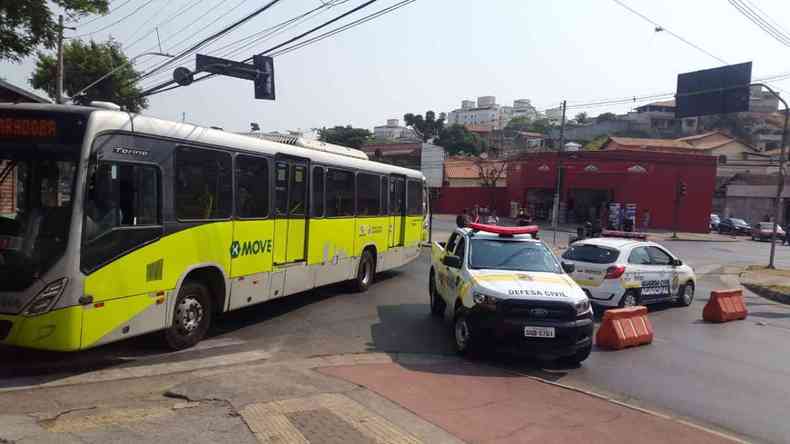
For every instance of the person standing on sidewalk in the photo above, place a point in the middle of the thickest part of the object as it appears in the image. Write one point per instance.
(462, 220)
(646, 219)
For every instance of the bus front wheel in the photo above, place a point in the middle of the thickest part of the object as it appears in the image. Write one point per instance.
(191, 316)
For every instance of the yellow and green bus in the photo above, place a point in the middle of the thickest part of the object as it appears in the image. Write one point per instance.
(114, 225)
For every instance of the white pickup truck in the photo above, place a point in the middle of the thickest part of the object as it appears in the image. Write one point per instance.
(501, 284)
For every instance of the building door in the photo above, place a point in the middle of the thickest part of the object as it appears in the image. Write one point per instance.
(397, 211)
(290, 199)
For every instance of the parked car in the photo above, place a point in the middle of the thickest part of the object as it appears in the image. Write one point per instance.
(764, 231)
(735, 226)
(714, 222)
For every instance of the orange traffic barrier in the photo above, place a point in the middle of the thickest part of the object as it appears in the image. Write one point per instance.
(725, 305)
(624, 327)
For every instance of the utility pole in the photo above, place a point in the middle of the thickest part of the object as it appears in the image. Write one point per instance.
(555, 217)
(59, 80)
(59, 87)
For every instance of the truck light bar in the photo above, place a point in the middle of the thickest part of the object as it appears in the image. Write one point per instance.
(505, 231)
(623, 234)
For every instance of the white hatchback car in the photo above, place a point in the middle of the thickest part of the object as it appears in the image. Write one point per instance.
(622, 272)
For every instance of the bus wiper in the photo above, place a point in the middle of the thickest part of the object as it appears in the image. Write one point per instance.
(7, 170)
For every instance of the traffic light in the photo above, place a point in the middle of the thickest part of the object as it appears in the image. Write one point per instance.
(683, 189)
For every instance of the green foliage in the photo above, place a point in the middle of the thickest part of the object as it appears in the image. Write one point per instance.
(83, 63)
(345, 135)
(427, 127)
(456, 139)
(596, 144)
(581, 117)
(605, 117)
(737, 124)
(523, 123)
(28, 24)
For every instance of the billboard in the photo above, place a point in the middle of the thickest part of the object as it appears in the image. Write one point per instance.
(714, 91)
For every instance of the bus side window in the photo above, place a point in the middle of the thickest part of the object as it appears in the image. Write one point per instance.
(339, 193)
(317, 197)
(384, 195)
(252, 187)
(368, 194)
(414, 198)
(203, 189)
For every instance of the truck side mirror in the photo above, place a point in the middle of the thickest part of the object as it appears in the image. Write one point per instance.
(568, 267)
(452, 261)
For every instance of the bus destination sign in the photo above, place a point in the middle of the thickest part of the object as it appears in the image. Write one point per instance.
(14, 127)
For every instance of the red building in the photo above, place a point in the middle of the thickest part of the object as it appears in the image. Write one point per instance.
(594, 178)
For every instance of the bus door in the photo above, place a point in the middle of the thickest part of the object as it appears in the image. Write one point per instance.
(290, 199)
(397, 211)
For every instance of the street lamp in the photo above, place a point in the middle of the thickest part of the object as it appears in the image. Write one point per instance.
(128, 62)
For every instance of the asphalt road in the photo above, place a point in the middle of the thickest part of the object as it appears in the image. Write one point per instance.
(731, 376)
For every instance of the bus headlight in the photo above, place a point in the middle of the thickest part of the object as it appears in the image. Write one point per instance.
(582, 307)
(485, 300)
(47, 297)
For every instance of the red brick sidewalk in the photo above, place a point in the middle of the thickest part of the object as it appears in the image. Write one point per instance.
(480, 404)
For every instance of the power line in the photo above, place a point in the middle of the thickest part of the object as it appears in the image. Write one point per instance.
(756, 18)
(115, 22)
(98, 17)
(163, 22)
(153, 16)
(314, 29)
(660, 28)
(227, 29)
(264, 35)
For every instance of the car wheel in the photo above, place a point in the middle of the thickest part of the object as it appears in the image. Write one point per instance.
(365, 272)
(754, 238)
(465, 341)
(578, 357)
(629, 299)
(686, 294)
(191, 316)
(437, 303)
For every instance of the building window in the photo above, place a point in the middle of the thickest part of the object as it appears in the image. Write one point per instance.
(203, 184)
(722, 160)
(252, 187)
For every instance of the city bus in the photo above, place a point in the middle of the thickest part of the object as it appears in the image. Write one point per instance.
(114, 225)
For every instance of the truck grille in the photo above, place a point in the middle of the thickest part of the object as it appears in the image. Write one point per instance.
(537, 310)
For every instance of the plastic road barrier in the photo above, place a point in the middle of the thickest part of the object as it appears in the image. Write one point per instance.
(624, 327)
(725, 305)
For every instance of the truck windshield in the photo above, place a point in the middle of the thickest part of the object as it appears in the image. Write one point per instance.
(35, 211)
(494, 254)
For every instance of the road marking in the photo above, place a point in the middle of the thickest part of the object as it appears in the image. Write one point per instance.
(134, 372)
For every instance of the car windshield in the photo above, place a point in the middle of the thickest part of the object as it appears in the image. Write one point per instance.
(738, 221)
(512, 255)
(594, 254)
(35, 211)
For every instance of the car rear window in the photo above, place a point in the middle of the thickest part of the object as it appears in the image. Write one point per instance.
(591, 253)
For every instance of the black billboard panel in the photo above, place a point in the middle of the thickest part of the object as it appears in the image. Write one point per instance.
(714, 91)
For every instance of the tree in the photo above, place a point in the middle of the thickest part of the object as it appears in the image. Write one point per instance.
(605, 117)
(596, 143)
(581, 117)
(490, 172)
(456, 139)
(345, 135)
(521, 123)
(427, 127)
(26, 25)
(84, 63)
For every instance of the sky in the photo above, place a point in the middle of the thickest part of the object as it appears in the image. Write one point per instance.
(431, 54)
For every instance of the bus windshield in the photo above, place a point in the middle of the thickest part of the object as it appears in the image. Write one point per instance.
(36, 191)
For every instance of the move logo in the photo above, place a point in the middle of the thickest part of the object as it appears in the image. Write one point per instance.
(250, 248)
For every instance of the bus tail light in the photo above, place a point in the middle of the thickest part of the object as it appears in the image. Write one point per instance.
(47, 297)
(614, 272)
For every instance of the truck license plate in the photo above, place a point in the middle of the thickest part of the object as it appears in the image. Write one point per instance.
(539, 332)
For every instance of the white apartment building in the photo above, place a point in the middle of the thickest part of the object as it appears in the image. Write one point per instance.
(393, 131)
(486, 112)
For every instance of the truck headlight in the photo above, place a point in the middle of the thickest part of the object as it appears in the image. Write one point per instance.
(485, 300)
(582, 307)
(47, 297)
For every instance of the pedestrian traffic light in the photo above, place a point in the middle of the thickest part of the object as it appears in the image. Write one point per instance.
(683, 189)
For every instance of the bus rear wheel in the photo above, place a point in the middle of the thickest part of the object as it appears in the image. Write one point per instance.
(191, 316)
(365, 272)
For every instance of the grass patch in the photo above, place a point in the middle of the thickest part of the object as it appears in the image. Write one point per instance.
(775, 272)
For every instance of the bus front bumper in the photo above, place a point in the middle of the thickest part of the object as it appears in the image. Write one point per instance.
(58, 330)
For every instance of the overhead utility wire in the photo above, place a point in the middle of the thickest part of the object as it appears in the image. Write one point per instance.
(163, 22)
(754, 17)
(98, 17)
(115, 22)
